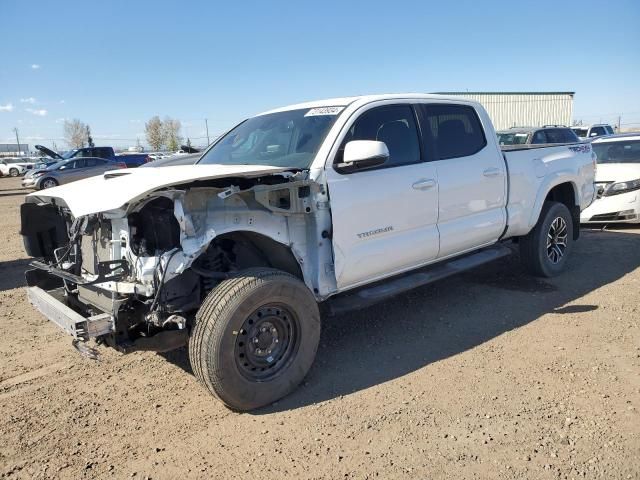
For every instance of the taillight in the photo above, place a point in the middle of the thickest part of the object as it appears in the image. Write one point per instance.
(121, 165)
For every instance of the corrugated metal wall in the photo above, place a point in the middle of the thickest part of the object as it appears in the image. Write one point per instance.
(524, 109)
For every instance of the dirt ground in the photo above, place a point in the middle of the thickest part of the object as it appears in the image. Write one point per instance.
(491, 374)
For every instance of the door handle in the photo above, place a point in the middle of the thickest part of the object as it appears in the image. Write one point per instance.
(492, 172)
(424, 184)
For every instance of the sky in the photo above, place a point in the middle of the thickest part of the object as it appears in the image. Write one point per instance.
(115, 64)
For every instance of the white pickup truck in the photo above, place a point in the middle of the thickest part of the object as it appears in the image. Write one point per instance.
(333, 204)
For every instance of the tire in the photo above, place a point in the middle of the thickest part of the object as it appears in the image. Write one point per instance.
(545, 249)
(255, 338)
(14, 172)
(48, 183)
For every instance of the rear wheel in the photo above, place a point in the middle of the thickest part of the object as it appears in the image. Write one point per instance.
(255, 338)
(545, 249)
(14, 172)
(48, 183)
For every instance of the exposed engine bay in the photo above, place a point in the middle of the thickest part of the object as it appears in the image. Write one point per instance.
(144, 269)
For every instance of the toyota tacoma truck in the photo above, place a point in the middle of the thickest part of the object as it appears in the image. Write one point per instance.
(317, 207)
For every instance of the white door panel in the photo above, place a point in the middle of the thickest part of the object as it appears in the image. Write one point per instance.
(471, 202)
(384, 221)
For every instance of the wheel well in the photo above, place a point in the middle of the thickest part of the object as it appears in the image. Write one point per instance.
(255, 250)
(565, 193)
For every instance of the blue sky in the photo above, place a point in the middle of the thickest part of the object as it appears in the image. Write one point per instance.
(114, 64)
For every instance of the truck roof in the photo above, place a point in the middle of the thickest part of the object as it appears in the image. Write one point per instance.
(364, 99)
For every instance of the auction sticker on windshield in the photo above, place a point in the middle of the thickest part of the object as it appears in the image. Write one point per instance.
(323, 111)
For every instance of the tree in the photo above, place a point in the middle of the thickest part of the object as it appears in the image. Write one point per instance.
(155, 133)
(172, 133)
(89, 139)
(75, 133)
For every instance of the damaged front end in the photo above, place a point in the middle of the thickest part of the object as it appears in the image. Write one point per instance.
(133, 277)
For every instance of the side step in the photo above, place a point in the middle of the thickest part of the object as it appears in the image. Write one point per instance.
(388, 288)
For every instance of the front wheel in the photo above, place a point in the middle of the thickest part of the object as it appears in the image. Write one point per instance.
(48, 183)
(255, 338)
(545, 249)
(14, 172)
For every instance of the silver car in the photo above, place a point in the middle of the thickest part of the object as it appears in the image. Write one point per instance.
(67, 171)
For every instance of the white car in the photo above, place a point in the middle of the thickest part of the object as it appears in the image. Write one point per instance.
(617, 179)
(343, 202)
(12, 167)
(585, 132)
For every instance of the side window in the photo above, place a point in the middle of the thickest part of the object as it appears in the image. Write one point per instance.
(609, 129)
(597, 131)
(94, 162)
(80, 163)
(570, 136)
(451, 131)
(539, 137)
(395, 126)
(102, 152)
(554, 135)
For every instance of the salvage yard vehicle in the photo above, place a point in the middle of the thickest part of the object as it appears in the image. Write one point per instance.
(11, 167)
(330, 205)
(67, 171)
(617, 180)
(585, 132)
(537, 135)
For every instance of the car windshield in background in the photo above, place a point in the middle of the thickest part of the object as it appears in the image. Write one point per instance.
(283, 139)
(69, 154)
(581, 132)
(618, 152)
(512, 138)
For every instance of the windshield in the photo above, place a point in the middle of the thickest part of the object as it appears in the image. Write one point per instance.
(512, 138)
(283, 139)
(618, 152)
(581, 132)
(69, 154)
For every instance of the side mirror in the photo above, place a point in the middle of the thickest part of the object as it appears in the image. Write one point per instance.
(363, 154)
(593, 134)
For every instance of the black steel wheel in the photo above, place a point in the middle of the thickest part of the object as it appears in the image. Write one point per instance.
(255, 338)
(267, 342)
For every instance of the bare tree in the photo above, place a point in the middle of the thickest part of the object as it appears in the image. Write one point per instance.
(75, 133)
(155, 132)
(89, 138)
(172, 133)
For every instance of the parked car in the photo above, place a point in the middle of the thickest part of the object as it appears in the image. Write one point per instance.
(343, 202)
(537, 135)
(67, 171)
(590, 131)
(11, 168)
(617, 179)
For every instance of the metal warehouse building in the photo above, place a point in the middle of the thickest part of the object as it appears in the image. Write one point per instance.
(524, 109)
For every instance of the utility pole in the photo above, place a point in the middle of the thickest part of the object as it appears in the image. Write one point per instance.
(619, 122)
(15, 129)
(206, 124)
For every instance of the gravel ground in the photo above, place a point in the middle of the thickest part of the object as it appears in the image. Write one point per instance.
(491, 374)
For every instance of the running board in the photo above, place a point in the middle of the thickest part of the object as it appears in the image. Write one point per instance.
(388, 288)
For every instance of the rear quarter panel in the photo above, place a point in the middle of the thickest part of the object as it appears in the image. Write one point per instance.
(533, 172)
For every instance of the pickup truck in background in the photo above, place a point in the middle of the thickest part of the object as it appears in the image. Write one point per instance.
(330, 205)
(131, 160)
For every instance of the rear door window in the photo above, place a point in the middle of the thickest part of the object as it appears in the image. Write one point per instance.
(451, 131)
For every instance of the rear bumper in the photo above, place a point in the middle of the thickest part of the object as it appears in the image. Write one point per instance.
(50, 304)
